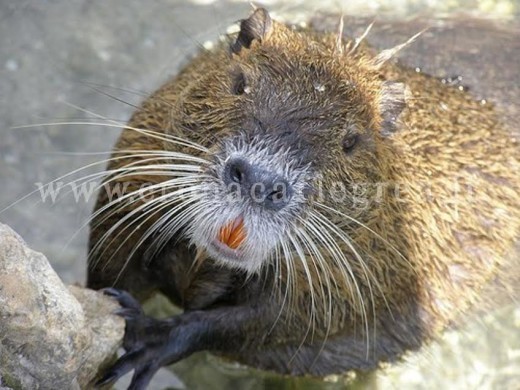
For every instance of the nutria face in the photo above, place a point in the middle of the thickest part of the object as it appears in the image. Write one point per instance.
(291, 122)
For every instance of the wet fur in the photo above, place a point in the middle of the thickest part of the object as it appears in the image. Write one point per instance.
(416, 262)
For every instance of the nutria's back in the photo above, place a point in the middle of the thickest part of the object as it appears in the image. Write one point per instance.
(386, 200)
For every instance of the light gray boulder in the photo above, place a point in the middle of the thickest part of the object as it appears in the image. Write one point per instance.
(52, 336)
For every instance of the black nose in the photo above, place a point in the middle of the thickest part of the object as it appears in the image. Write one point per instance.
(263, 187)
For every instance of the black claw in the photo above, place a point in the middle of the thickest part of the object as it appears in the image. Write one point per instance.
(111, 292)
(142, 377)
(108, 378)
(124, 365)
(124, 299)
(128, 313)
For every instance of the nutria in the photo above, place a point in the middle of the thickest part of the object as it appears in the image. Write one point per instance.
(312, 206)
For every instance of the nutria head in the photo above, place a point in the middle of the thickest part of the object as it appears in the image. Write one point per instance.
(285, 117)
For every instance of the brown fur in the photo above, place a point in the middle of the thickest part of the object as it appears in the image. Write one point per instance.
(436, 245)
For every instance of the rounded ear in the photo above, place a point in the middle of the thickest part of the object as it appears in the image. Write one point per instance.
(393, 102)
(257, 26)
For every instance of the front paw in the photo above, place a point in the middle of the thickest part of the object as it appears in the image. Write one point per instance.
(147, 343)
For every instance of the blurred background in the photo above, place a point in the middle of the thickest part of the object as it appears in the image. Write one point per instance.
(62, 60)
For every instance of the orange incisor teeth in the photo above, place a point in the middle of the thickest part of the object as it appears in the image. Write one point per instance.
(233, 233)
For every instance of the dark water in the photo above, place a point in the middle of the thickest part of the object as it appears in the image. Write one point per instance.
(59, 54)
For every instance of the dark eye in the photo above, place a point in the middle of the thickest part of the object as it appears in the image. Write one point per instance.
(349, 142)
(239, 84)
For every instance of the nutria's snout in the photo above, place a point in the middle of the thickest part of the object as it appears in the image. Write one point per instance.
(252, 197)
(261, 186)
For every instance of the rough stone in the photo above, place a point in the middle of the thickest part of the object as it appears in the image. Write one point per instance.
(51, 336)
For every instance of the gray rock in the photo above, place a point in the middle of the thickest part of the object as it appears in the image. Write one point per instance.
(51, 336)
